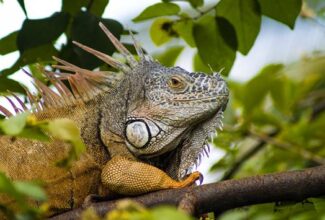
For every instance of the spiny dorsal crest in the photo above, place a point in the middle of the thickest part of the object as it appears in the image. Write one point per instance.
(85, 84)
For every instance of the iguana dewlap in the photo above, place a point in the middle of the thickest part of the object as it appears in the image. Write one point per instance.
(144, 127)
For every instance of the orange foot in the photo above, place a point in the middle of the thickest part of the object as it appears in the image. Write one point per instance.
(190, 180)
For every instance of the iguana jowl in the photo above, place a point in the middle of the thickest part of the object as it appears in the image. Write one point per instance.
(145, 117)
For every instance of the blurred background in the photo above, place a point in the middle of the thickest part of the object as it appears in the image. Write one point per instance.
(275, 120)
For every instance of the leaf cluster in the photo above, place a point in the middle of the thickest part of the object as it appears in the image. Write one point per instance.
(36, 40)
(218, 32)
(130, 210)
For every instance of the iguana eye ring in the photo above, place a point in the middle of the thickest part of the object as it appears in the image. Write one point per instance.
(176, 82)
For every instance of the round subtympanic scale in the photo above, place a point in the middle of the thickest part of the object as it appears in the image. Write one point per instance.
(137, 134)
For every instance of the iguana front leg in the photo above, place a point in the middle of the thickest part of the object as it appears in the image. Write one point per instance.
(127, 177)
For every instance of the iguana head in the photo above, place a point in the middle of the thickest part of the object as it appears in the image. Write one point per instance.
(174, 102)
(173, 112)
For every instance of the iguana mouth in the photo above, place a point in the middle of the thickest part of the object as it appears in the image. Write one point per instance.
(209, 99)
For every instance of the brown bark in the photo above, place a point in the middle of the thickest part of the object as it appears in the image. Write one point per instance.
(229, 194)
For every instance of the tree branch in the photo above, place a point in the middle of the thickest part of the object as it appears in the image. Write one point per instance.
(229, 194)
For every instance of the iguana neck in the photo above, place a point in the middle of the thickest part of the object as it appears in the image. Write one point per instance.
(113, 110)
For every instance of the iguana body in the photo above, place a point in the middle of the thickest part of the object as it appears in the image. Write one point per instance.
(147, 117)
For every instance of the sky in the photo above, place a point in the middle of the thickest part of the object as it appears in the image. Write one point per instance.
(276, 43)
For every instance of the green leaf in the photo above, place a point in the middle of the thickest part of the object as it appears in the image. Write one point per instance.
(196, 3)
(22, 5)
(85, 30)
(31, 190)
(227, 141)
(41, 31)
(263, 118)
(184, 29)
(34, 132)
(9, 84)
(193, 3)
(169, 57)
(285, 11)
(73, 7)
(168, 212)
(160, 31)
(157, 10)
(212, 48)
(20, 192)
(234, 214)
(6, 186)
(245, 17)
(199, 66)
(228, 32)
(66, 130)
(319, 204)
(284, 93)
(97, 7)
(8, 43)
(257, 88)
(14, 125)
(130, 47)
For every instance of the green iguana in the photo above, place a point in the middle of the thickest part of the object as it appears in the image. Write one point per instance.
(144, 127)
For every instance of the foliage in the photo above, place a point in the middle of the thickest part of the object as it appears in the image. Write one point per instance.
(36, 38)
(220, 31)
(22, 192)
(303, 211)
(129, 210)
(278, 107)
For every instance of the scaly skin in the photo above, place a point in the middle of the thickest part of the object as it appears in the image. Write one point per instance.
(144, 129)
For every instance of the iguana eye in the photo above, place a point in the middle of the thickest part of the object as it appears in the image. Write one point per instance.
(176, 83)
